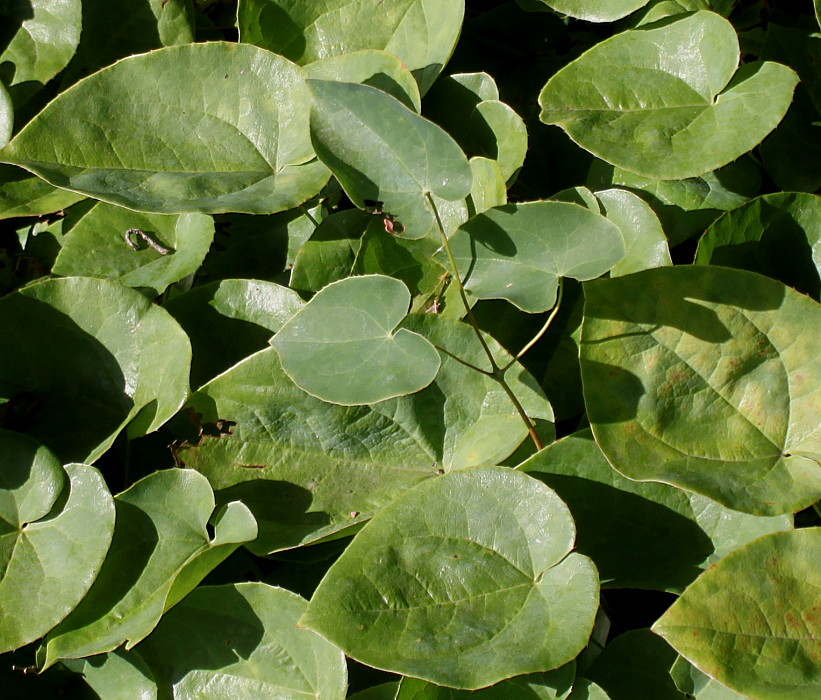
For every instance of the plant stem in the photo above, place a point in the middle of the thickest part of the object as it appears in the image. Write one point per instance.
(544, 328)
(497, 373)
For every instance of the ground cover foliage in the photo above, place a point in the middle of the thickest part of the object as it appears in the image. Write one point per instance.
(410, 349)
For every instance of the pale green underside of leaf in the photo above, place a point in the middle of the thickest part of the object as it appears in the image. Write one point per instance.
(94, 350)
(353, 129)
(421, 33)
(156, 132)
(658, 103)
(6, 116)
(596, 10)
(46, 36)
(242, 642)
(160, 551)
(518, 252)
(446, 582)
(343, 346)
(752, 620)
(706, 378)
(55, 529)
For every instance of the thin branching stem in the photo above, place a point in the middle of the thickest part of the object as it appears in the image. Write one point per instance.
(497, 373)
(543, 329)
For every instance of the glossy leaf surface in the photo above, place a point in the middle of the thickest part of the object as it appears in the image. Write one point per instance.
(352, 129)
(55, 529)
(160, 551)
(518, 252)
(88, 349)
(444, 583)
(421, 33)
(713, 372)
(653, 102)
(167, 137)
(343, 346)
(242, 642)
(768, 647)
(597, 10)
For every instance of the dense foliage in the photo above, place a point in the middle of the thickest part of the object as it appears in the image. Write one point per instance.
(410, 349)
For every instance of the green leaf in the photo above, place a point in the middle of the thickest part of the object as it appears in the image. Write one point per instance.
(44, 36)
(94, 351)
(641, 535)
(220, 139)
(446, 582)
(55, 529)
(116, 676)
(777, 235)
(160, 551)
(767, 647)
(386, 691)
(242, 642)
(635, 665)
(488, 189)
(704, 377)
(553, 685)
(421, 33)
(310, 470)
(24, 194)
(653, 102)
(228, 320)
(97, 245)
(342, 347)
(645, 242)
(354, 130)
(518, 252)
(378, 69)
(499, 133)
(695, 684)
(6, 116)
(596, 10)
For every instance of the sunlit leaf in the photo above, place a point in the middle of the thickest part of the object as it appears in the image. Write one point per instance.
(596, 10)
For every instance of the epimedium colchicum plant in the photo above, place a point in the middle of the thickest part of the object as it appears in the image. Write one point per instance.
(410, 349)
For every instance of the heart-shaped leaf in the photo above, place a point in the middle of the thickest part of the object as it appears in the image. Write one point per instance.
(767, 647)
(258, 439)
(353, 129)
(596, 10)
(44, 36)
(242, 642)
(654, 102)
(155, 132)
(518, 252)
(93, 352)
(446, 582)
(422, 33)
(706, 378)
(641, 535)
(55, 529)
(160, 551)
(777, 235)
(342, 347)
(162, 250)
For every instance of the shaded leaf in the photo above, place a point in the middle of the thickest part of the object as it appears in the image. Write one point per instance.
(97, 245)
(767, 646)
(228, 320)
(500, 134)
(354, 127)
(91, 352)
(242, 642)
(553, 685)
(695, 684)
(641, 535)
(161, 550)
(117, 675)
(45, 34)
(24, 194)
(421, 33)
(777, 235)
(704, 377)
(168, 137)
(379, 69)
(597, 10)
(653, 102)
(342, 346)
(444, 583)
(518, 252)
(55, 529)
